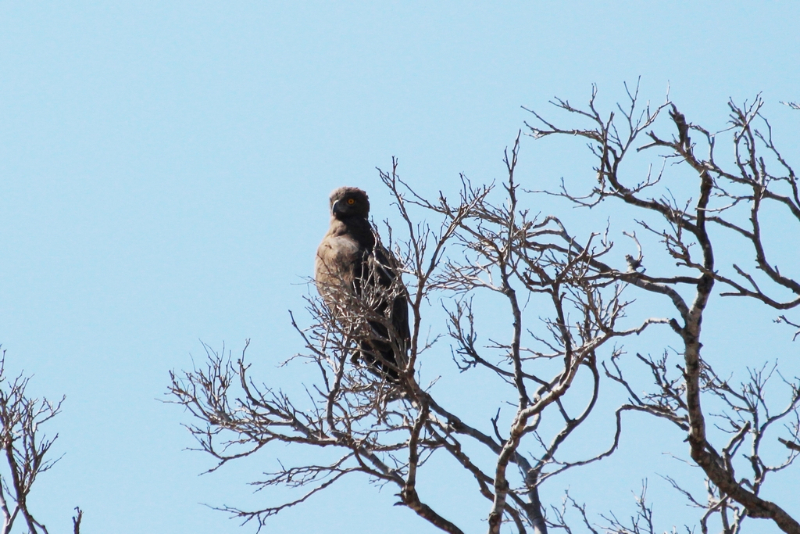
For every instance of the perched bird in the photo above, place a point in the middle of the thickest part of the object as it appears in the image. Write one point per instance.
(351, 263)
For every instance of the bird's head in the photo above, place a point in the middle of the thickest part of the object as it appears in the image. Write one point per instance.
(349, 202)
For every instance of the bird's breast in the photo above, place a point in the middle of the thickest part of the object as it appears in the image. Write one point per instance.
(336, 260)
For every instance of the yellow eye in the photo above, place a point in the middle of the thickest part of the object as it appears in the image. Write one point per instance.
(351, 201)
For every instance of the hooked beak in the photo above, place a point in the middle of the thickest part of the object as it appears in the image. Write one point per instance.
(338, 207)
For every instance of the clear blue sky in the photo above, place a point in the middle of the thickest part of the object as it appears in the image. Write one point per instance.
(164, 172)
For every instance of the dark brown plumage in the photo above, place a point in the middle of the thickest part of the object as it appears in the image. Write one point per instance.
(350, 263)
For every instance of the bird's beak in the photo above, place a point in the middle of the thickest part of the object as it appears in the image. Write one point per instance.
(337, 207)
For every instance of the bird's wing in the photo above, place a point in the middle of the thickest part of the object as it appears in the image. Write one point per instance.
(386, 265)
(387, 269)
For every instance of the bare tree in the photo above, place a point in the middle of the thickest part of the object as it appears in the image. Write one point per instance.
(26, 449)
(734, 200)
(568, 301)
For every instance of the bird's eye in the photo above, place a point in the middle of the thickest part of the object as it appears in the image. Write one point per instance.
(351, 201)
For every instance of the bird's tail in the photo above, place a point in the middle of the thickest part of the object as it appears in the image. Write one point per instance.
(380, 356)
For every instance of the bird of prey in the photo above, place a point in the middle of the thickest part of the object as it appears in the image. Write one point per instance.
(351, 266)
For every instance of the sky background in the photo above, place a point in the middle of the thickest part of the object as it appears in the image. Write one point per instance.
(164, 174)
